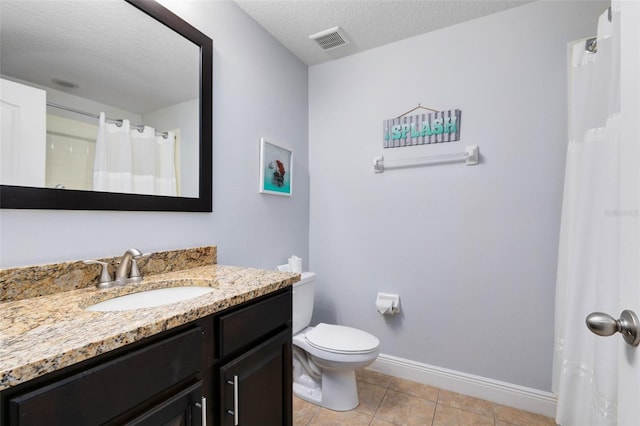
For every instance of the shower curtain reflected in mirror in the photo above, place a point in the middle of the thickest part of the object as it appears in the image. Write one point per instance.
(134, 161)
(585, 366)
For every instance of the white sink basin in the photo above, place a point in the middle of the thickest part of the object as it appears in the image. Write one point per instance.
(150, 298)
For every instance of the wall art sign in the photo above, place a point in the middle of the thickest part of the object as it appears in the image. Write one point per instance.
(276, 167)
(422, 129)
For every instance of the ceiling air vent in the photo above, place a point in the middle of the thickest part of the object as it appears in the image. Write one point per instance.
(330, 39)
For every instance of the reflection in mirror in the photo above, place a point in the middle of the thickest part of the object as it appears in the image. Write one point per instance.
(113, 106)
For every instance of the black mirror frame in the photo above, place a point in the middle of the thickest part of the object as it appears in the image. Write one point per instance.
(21, 197)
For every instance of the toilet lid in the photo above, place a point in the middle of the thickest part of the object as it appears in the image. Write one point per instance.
(341, 339)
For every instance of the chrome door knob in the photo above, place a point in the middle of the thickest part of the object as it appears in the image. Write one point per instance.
(605, 325)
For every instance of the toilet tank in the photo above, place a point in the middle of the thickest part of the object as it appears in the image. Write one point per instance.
(303, 301)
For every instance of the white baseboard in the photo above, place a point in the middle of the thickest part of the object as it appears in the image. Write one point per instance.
(520, 397)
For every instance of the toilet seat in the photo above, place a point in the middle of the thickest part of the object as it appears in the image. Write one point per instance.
(340, 339)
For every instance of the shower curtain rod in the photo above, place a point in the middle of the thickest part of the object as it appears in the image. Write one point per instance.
(116, 121)
(591, 44)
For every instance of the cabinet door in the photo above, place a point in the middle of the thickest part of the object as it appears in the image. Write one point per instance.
(255, 388)
(184, 409)
(243, 328)
(102, 393)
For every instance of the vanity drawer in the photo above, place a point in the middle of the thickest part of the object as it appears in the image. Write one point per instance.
(98, 394)
(246, 325)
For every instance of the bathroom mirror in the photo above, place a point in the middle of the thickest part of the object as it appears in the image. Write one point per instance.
(103, 63)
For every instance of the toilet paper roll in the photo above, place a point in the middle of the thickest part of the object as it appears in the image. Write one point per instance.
(384, 306)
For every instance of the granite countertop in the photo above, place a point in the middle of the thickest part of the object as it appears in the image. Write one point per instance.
(42, 334)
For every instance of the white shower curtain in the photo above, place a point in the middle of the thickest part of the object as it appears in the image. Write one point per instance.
(134, 161)
(143, 144)
(112, 167)
(585, 366)
(165, 165)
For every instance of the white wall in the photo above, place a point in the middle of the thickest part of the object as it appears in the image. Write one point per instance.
(471, 250)
(259, 89)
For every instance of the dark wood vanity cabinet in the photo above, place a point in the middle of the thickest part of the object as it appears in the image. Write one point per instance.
(254, 366)
(161, 379)
(254, 388)
(178, 377)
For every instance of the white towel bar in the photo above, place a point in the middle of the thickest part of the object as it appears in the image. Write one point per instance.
(469, 156)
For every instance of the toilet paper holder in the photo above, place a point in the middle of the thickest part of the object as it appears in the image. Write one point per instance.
(387, 303)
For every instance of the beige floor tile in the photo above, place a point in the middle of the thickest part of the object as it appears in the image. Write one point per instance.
(403, 409)
(303, 411)
(501, 423)
(457, 400)
(415, 389)
(380, 422)
(513, 416)
(388, 401)
(373, 377)
(451, 416)
(370, 397)
(340, 418)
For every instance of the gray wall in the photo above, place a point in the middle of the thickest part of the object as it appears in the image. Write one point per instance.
(471, 250)
(259, 90)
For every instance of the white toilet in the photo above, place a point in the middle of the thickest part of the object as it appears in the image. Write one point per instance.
(326, 356)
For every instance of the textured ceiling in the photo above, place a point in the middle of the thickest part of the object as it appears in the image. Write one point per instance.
(116, 54)
(66, 40)
(366, 23)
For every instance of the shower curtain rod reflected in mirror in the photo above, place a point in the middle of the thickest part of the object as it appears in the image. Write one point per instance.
(591, 44)
(116, 121)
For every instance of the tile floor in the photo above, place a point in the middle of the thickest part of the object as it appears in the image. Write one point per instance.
(387, 400)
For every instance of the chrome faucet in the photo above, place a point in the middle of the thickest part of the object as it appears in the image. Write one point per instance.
(129, 257)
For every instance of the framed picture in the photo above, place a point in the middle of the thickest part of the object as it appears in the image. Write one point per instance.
(276, 169)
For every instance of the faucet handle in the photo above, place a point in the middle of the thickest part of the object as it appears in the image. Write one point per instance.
(135, 274)
(105, 276)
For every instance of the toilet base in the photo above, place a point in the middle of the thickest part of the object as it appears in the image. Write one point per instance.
(338, 390)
